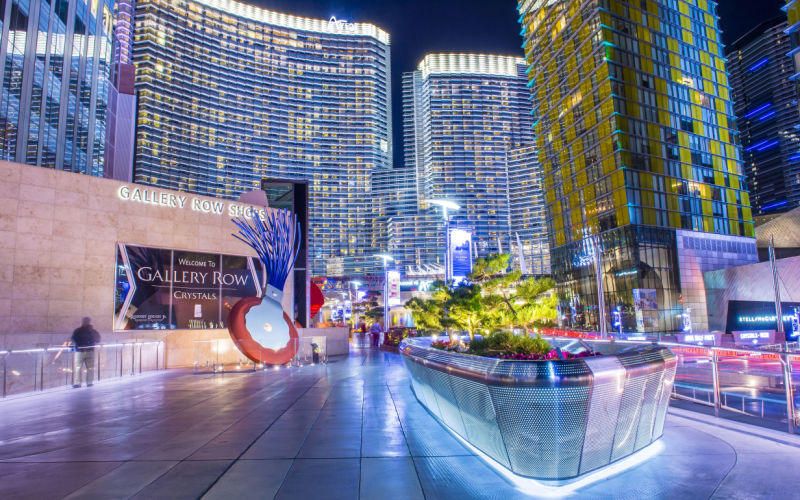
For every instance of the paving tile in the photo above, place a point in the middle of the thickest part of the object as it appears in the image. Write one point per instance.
(187, 480)
(433, 441)
(394, 476)
(329, 479)
(384, 442)
(48, 480)
(277, 443)
(122, 482)
(332, 442)
(461, 477)
(254, 479)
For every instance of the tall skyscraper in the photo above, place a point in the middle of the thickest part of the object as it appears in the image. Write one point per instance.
(56, 62)
(462, 115)
(230, 93)
(638, 147)
(530, 250)
(765, 102)
(792, 9)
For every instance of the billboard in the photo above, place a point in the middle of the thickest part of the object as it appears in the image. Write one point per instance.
(165, 289)
(645, 304)
(393, 285)
(460, 254)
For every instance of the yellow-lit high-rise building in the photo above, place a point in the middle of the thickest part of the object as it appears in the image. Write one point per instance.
(641, 165)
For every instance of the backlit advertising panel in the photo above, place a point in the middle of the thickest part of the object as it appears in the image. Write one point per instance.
(460, 254)
(165, 289)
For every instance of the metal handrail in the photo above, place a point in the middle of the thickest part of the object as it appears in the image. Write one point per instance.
(778, 353)
(44, 370)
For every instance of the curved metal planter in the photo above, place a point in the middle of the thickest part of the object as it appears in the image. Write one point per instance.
(549, 420)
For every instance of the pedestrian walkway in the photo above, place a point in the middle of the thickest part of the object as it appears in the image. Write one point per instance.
(349, 429)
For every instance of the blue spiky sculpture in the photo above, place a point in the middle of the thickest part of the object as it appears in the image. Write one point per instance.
(258, 325)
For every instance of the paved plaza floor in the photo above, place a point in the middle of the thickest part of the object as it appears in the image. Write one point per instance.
(349, 429)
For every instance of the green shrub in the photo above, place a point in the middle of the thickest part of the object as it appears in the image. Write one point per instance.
(504, 342)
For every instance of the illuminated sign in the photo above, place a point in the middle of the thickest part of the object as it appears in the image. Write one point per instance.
(167, 199)
(708, 337)
(394, 287)
(759, 316)
(763, 319)
(753, 335)
(460, 254)
(164, 289)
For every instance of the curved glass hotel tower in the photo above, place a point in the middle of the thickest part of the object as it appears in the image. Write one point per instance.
(637, 140)
(230, 94)
(465, 118)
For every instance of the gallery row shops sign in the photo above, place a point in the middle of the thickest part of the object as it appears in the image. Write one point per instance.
(181, 201)
(164, 289)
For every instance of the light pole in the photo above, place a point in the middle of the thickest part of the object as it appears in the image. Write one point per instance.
(601, 300)
(448, 266)
(357, 284)
(386, 259)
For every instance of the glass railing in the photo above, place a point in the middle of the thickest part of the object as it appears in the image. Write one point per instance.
(41, 368)
(758, 385)
(222, 355)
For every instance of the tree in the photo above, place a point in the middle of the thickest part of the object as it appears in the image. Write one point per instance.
(429, 314)
(492, 299)
(466, 309)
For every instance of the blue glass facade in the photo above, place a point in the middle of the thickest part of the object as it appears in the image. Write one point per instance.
(56, 62)
(765, 105)
(229, 94)
(462, 114)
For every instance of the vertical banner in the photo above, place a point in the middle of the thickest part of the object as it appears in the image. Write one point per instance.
(460, 254)
(645, 305)
(393, 278)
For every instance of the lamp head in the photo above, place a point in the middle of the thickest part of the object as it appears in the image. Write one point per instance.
(445, 204)
(386, 258)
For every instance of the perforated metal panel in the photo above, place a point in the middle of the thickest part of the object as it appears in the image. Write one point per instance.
(644, 432)
(448, 407)
(629, 412)
(663, 402)
(604, 403)
(542, 428)
(547, 419)
(480, 422)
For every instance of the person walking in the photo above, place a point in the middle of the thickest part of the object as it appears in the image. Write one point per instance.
(85, 338)
(375, 334)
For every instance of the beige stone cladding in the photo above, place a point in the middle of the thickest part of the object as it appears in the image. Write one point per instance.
(58, 237)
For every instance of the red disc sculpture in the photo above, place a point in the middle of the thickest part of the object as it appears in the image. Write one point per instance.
(317, 300)
(258, 325)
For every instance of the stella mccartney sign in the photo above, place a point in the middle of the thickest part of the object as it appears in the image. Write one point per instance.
(181, 201)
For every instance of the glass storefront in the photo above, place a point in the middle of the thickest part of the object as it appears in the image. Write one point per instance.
(640, 280)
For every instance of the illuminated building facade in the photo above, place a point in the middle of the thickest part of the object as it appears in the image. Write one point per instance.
(56, 63)
(462, 114)
(638, 148)
(229, 94)
(792, 9)
(764, 99)
(530, 250)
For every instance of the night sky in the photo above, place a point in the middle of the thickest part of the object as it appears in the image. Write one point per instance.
(417, 27)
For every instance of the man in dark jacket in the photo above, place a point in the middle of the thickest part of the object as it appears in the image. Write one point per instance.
(85, 338)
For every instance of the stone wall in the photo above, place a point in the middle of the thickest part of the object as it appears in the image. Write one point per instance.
(58, 237)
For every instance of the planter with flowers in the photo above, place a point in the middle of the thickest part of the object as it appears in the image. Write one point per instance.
(548, 409)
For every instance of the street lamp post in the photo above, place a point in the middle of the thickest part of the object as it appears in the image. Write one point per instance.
(357, 284)
(601, 300)
(448, 265)
(386, 259)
